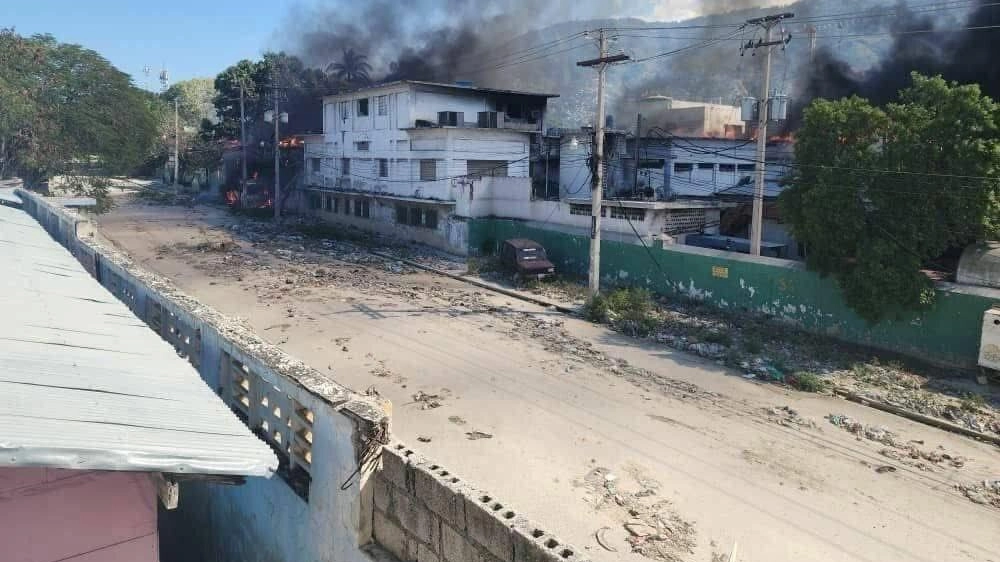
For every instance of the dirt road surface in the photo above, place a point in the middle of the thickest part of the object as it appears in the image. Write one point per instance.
(666, 456)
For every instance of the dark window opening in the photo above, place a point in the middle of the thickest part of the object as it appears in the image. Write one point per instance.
(363, 107)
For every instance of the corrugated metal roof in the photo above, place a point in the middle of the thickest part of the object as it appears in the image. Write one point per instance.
(85, 384)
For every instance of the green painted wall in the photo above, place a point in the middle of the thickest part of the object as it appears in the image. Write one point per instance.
(948, 333)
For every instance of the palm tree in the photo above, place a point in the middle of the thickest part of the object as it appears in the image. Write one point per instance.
(352, 68)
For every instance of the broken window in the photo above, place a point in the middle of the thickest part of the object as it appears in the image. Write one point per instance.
(383, 168)
(428, 170)
(363, 107)
(383, 105)
(416, 216)
(628, 213)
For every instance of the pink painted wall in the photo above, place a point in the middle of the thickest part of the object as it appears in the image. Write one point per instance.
(50, 515)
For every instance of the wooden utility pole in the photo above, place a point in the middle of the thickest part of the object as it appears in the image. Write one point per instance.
(757, 219)
(177, 144)
(597, 185)
(277, 157)
(243, 135)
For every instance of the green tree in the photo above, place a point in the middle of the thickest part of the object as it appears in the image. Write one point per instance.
(74, 114)
(878, 193)
(352, 68)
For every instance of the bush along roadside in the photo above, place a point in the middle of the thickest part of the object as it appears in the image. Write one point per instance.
(767, 350)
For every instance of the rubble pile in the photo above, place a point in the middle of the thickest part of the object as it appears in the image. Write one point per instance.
(898, 449)
(986, 492)
(651, 527)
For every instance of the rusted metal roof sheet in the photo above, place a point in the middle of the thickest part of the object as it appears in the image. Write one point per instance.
(85, 384)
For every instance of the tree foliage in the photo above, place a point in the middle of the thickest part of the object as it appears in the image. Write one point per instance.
(300, 87)
(878, 193)
(67, 111)
(352, 68)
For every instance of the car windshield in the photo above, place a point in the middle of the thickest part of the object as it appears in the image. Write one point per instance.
(531, 254)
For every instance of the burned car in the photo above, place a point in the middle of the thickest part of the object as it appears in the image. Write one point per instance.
(526, 258)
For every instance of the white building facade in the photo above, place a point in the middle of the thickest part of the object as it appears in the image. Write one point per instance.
(393, 157)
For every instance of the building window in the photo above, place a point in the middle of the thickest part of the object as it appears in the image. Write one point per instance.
(344, 110)
(579, 209)
(401, 214)
(706, 166)
(416, 216)
(347, 205)
(362, 146)
(363, 107)
(329, 204)
(383, 168)
(628, 213)
(366, 208)
(315, 201)
(336, 204)
(428, 170)
(383, 105)
(314, 164)
(727, 168)
(431, 218)
(746, 167)
(345, 166)
(683, 168)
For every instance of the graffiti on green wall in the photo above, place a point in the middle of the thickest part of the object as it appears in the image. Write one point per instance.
(947, 333)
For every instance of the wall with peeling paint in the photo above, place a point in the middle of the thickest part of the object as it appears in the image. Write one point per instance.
(948, 333)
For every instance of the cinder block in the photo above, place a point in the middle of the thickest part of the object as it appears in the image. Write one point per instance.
(488, 523)
(455, 547)
(382, 490)
(426, 554)
(394, 465)
(390, 536)
(532, 543)
(441, 491)
(415, 518)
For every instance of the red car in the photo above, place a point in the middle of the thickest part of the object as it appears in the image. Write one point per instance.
(526, 258)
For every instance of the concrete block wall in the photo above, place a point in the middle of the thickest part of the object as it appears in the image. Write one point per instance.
(425, 513)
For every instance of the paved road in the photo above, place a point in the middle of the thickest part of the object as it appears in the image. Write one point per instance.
(782, 492)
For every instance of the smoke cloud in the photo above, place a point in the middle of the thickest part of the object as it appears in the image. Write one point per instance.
(964, 56)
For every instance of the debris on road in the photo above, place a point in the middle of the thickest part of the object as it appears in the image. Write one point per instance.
(898, 449)
(423, 439)
(986, 492)
(476, 435)
(788, 417)
(427, 401)
(653, 529)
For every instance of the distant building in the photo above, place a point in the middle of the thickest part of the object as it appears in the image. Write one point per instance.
(691, 118)
(391, 156)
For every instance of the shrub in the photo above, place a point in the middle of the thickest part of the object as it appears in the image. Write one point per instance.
(808, 382)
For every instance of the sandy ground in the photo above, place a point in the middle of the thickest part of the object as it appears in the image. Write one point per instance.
(587, 429)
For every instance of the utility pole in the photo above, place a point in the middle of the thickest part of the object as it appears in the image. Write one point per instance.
(638, 142)
(177, 144)
(277, 157)
(757, 219)
(597, 185)
(243, 135)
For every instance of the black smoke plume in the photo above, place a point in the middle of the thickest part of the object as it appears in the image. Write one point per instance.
(966, 56)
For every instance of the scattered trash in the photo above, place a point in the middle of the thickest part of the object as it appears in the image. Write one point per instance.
(885, 468)
(905, 452)
(423, 439)
(985, 493)
(475, 435)
(603, 540)
(427, 401)
(457, 420)
(788, 417)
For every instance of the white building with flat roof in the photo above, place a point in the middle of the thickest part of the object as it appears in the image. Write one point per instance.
(391, 156)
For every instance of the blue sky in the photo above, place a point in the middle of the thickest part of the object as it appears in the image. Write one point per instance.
(189, 37)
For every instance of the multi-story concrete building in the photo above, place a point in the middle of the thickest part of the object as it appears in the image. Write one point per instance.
(391, 156)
